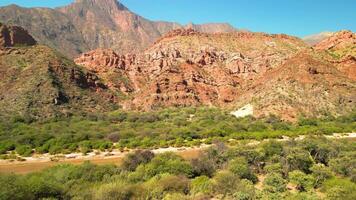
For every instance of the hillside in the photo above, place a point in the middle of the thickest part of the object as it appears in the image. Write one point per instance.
(277, 74)
(90, 24)
(303, 85)
(37, 82)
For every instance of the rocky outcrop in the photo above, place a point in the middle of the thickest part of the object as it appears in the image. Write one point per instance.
(202, 70)
(342, 39)
(339, 49)
(11, 36)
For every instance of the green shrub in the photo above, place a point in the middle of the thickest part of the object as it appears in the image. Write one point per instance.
(274, 183)
(24, 150)
(303, 181)
(240, 167)
(201, 184)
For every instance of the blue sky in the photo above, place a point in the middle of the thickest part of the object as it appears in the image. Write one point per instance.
(294, 17)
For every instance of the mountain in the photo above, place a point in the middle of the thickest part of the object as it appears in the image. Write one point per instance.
(304, 85)
(340, 50)
(275, 74)
(271, 73)
(90, 24)
(38, 82)
(316, 38)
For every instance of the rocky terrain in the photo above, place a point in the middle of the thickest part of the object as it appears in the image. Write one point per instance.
(146, 65)
(37, 82)
(14, 36)
(276, 74)
(340, 49)
(90, 24)
(316, 38)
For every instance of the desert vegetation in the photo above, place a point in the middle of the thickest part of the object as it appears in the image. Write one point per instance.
(168, 127)
(315, 168)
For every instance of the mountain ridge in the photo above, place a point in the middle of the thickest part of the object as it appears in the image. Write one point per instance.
(90, 24)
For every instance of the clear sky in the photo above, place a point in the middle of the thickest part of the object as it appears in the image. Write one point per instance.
(294, 17)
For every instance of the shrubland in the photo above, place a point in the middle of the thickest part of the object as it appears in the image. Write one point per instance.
(169, 127)
(303, 169)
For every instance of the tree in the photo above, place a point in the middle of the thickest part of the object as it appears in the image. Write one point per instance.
(133, 160)
(297, 159)
(303, 181)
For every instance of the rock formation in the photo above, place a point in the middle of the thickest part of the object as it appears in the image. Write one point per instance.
(11, 36)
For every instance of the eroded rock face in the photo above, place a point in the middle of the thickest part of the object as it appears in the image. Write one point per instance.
(11, 36)
(340, 39)
(339, 49)
(176, 73)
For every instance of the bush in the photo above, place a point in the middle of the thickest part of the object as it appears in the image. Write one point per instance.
(339, 189)
(201, 184)
(298, 159)
(166, 163)
(245, 191)
(133, 160)
(203, 166)
(307, 122)
(240, 167)
(13, 187)
(304, 182)
(321, 173)
(6, 146)
(226, 183)
(158, 186)
(274, 183)
(24, 150)
(114, 191)
(272, 148)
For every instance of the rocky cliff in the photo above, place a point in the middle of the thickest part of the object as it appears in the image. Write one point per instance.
(276, 74)
(11, 36)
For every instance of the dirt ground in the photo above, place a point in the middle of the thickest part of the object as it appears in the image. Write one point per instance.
(28, 167)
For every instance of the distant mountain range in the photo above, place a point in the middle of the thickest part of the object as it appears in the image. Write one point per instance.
(90, 24)
(316, 38)
(137, 64)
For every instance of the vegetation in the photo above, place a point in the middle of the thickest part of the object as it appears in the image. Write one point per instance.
(231, 174)
(169, 127)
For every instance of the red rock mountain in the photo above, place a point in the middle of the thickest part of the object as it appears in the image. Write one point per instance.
(276, 74)
(90, 24)
(340, 50)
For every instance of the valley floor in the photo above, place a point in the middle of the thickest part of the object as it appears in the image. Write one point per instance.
(40, 162)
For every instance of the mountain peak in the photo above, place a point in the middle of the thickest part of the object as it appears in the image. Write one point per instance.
(104, 4)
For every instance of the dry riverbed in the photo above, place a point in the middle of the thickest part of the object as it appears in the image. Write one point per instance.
(40, 162)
